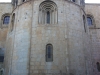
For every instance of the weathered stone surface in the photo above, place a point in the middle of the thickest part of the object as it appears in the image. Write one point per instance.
(5, 8)
(75, 52)
(30, 39)
(94, 30)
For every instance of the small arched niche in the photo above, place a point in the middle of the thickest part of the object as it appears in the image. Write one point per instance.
(12, 22)
(48, 13)
(84, 22)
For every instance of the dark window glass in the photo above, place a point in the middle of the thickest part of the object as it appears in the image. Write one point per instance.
(98, 66)
(1, 58)
(6, 20)
(89, 20)
(73, 0)
(23, 0)
(48, 17)
(49, 53)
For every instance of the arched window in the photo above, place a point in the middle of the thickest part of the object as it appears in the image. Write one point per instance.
(98, 66)
(47, 13)
(84, 21)
(6, 19)
(48, 17)
(49, 53)
(90, 20)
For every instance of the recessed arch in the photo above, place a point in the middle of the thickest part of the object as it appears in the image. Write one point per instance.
(84, 22)
(12, 22)
(48, 6)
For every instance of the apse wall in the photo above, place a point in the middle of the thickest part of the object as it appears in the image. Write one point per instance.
(18, 41)
(68, 36)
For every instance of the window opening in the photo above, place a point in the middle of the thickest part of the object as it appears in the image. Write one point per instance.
(49, 53)
(89, 20)
(6, 20)
(48, 17)
(73, 0)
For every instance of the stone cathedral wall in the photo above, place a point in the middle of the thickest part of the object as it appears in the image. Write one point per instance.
(94, 30)
(5, 8)
(20, 41)
(26, 43)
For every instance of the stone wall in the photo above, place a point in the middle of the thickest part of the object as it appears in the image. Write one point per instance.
(5, 8)
(26, 44)
(93, 9)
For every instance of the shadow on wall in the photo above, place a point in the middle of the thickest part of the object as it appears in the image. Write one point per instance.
(98, 66)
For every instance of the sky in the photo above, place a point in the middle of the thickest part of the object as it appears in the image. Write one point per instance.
(5, 0)
(86, 1)
(92, 1)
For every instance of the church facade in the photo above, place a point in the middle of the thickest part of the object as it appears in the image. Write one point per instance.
(49, 37)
